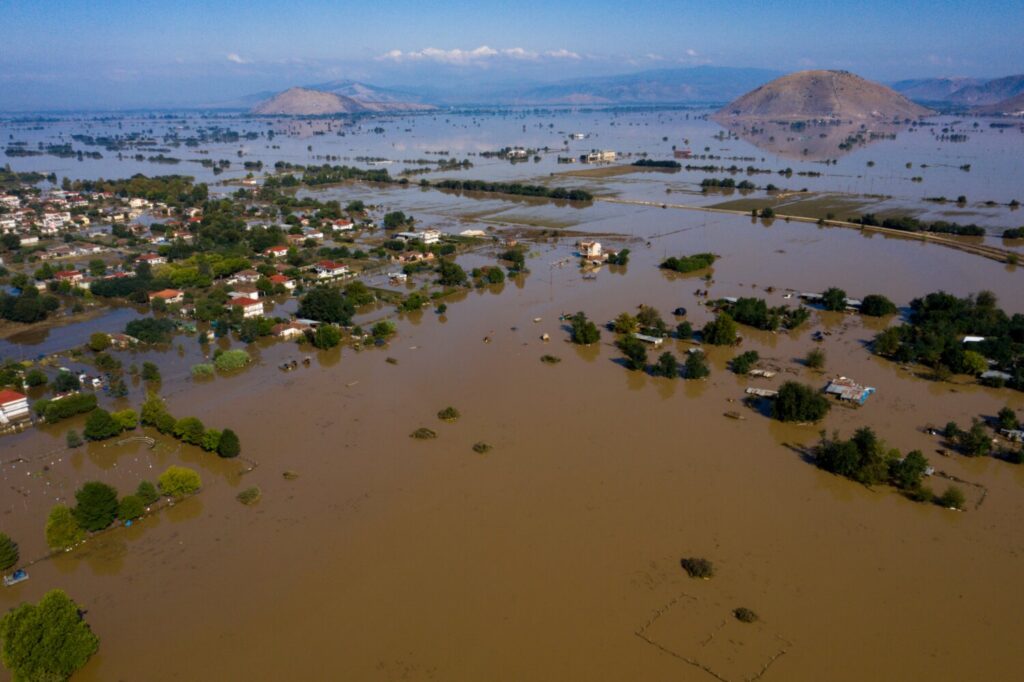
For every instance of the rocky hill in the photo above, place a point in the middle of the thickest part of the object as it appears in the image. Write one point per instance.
(1014, 106)
(309, 102)
(809, 95)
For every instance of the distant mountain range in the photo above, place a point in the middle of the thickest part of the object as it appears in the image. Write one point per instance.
(811, 95)
(968, 92)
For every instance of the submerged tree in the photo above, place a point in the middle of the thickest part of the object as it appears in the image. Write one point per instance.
(46, 641)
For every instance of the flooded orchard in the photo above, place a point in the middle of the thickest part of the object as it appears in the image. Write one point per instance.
(556, 554)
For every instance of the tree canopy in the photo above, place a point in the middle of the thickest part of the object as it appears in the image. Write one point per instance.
(46, 641)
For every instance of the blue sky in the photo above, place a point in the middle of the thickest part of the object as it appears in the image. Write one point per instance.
(120, 54)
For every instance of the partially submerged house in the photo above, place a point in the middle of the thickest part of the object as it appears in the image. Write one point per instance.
(847, 389)
(13, 406)
(167, 296)
(250, 307)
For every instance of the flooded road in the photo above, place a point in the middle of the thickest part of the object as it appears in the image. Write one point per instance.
(391, 558)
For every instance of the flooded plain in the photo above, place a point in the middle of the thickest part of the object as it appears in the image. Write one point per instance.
(556, 554)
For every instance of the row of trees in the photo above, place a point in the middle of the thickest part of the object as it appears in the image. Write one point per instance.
(188, 429)
(515, 188)
(697, 261)
(755, 312)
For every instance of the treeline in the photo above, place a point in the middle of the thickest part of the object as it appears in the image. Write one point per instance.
(515, 188)
(697, 261)
(651, 163)
(755, 312)
(937, 325)
(168, 189)
(908, 224)
(188, 429)
(726, 183)
(1014, 233)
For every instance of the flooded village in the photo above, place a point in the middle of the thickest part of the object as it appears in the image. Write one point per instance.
(490, 375)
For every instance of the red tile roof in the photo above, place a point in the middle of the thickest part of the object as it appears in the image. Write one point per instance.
(9, 396)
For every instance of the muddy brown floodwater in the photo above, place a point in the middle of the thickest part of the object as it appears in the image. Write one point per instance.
(555, 556)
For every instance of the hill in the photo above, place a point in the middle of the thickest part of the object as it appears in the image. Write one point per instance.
(990, 92)
(962, 91)
(809, 95)
(1013, 106)
(310, 102)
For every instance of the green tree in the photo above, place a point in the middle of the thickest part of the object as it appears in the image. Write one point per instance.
(62, 530)
(696, 366)
(720, 331)
(99, 342)
(875, 305)
(326, 336)
(127, 419)
(96, 505)
(626, 324)
(888, 342)
(147, 493)
(100, 425)
(72, 439)
(635, 352)
(667, 366)
(131, 507)
(150, 372)
(1007, 418)
(47, 641)
(584, 332)
(35, 377)
(684, 331)
(211, 440)
(326, 304)
(799, 403)
(8, 552)
(906, 474)
(189, 430)
(953, 498)
(382, 330)
(975, 441)
(974, 363)
(744, 362)
(451, 273)
(177, 481)
(228, 445)
(834, 299)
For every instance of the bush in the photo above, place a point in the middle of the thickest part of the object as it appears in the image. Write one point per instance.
(131, 507)
(35, 377)
(815, 358)
(211, 440)
(448, 414)
(423, 433)
(73, 439)
(697, 567)
(127, 419)
(743, 363)
(482, 448)
(875, 305)
(62, 530)
(584, 332)
(46, 641)
(953, 498)
(382, 330)
(147, 493)
(720, 331)
(177, 482)
(684, 331)
(189, 430)
(228, 445)
(66, 381)
(101, 425)
(99, 342)
(975, 441)
(202, 370)
(1007, 418)
(635, 352)
(250, 496)
(666, 366)
(799, 403)
(550, 359)
(68, 406)
(231, 360)
(8, 552)
(150, 372)
(96, 506)
(834, 299)
(745, 615)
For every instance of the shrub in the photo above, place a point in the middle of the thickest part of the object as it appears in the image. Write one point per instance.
(177, 481)
(73, 439)
(96, 506)
(423, 433)
(799, 403)
(684, 331)
(147, 493)
(953, 498)
(131, 507)
(745, 615)
(720, 331)
(834, 299)
(101, 425)
(228, 445)
(211, 440)
(62, 530)
(127, 419)
(189, 430)
(46, 641)
(550, 359)
(815, 358)
(697, 567)
(202, 370)
(482, 447)
(231, 360)
(697, 365)
(326, 336)
(290, 475)
(448, 414)
(150, 372)
(250, 496)
(8, 552)
(35, 377)
(1007, 418)
(99, 342)
(382, 330)
(667, 366)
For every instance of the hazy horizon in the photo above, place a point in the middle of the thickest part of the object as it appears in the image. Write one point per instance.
(145, 54)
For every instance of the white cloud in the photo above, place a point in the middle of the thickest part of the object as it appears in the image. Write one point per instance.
(479, 55)
(235, 58)
(690, 52)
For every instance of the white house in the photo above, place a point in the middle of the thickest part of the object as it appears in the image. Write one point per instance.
(13, 406)
(327, 269)
(426, 236)
(250, 307)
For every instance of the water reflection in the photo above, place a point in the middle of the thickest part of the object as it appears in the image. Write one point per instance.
(810, 141)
